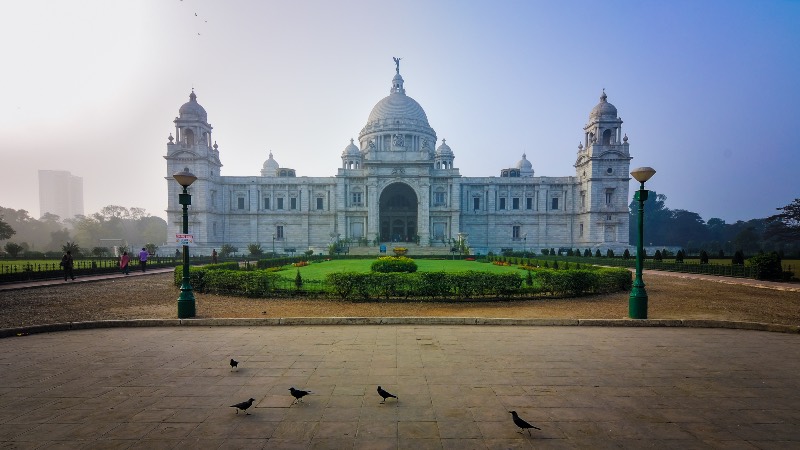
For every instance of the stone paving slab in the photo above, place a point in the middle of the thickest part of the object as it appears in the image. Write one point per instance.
(586, 387)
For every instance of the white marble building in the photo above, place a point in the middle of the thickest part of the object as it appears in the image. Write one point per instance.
(395, 185)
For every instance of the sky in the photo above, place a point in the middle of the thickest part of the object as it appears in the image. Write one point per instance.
(707, 89)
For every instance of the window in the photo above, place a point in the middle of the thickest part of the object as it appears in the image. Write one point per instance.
(476, 203)
(438, 230)
(319, 202)
(438, 198)
(240, 203)
(293, 203)
(529, 203)
(279, 232)
(502, 203)
(515, 232)
(515, 203)
(609, 196)
(581, 229)
(356, 198)
(266, 203)
(280, 202)
(583, 199)
(554, 203)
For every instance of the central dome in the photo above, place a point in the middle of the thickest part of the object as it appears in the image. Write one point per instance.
(397, 106)
(397, 123)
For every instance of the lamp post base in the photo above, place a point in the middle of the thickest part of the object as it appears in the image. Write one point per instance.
(637, 303)
(186, 306)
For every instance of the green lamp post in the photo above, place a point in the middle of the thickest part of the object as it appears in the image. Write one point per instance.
(186, 306)
(637, 303)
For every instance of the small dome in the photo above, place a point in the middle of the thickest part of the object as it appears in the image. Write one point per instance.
(192, 109)
(444, 149)
(604, 109)
(524, 164)
(351, 150)
(271, 164)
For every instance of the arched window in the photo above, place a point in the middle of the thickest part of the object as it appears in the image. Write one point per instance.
(188, 136)
(606, 137)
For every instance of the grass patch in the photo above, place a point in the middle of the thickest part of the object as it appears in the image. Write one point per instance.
(318, 271)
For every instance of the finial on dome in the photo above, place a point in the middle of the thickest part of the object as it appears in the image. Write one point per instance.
(625, 139)
(524, 156)
(192, 96)
(444, 141)
(215, 145)
(580, 146)
(171, 138)
(603, 97)
(351, 140)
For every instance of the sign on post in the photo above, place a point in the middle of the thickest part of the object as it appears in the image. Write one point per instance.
(184, 239)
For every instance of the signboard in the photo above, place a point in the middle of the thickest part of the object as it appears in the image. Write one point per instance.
(184, 239)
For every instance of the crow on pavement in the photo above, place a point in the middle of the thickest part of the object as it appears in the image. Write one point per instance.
(243, 406)
(521, 423)
(385, 394)
(298, 394)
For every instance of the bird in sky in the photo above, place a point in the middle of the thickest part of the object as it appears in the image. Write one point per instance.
(298, 394)
(234, 364)
(385, 394)
(521, 423)
(243, 406)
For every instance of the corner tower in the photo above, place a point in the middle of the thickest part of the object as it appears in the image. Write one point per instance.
(192, 148)
(601, 169)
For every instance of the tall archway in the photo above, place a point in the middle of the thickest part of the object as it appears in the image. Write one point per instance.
(398, 213)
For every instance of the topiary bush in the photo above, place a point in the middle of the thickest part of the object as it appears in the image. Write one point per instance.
(389, 264)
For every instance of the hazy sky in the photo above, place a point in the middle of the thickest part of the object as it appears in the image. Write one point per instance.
(707, 90)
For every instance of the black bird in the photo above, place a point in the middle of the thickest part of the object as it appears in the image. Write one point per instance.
(385, 394)
(521, 423)
(234, 364)
(243, 406)
(298, 394)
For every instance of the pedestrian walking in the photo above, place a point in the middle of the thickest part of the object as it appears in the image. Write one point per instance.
(143, 259)
(124, 262)
(67, 263)
(214, 256)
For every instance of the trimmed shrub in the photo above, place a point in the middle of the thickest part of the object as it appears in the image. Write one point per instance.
(703, 257)
(597, 253)
(657, 256)
(738, 258)
(768, 266)
(626, 254)
(388, 264)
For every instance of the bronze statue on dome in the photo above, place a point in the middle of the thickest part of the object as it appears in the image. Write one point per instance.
(397, 64)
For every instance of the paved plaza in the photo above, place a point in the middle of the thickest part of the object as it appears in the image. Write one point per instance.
(585, 387)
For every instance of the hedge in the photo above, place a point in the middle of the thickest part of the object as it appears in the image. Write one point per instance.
(417, 285)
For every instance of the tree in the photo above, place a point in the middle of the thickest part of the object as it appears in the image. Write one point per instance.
(587, 253)
(151, 248)
(738, 258)
(298, 280)
(256, 250)
(626, 254)
(13, 249)
(597, 253)
(679, 256)
(703, 257)
(658, 256)
(5, 230)
(71, 247)
(786, 225)
(226, 250)
(609, 253)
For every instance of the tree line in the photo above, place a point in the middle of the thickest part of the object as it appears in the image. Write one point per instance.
(685, 229)
(95, 234)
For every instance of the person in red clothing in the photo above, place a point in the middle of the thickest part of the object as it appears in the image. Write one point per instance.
(124, 262)
(143, 259)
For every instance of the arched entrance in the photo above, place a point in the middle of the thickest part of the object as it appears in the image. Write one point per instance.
(398, 213)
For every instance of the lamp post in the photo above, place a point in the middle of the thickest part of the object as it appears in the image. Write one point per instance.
(186, 306)
(525, 246)
(637, 303)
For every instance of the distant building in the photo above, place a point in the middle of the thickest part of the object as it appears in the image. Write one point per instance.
(395, 185)
(60, 193)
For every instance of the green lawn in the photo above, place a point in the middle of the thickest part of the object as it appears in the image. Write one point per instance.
(318, 271)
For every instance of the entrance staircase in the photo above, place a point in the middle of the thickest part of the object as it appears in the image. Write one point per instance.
(413, 249)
